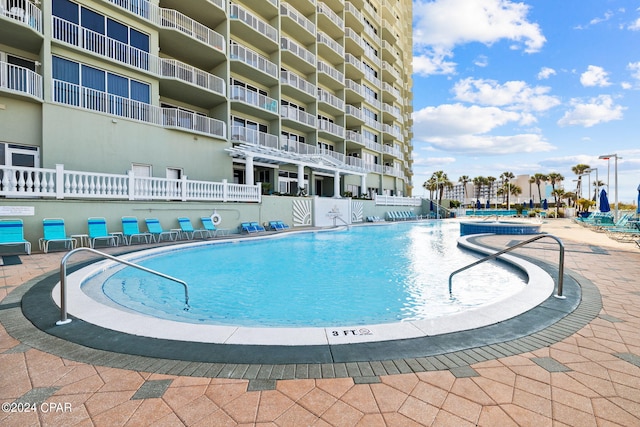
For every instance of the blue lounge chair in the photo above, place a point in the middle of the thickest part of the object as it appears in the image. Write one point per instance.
(130, 230)
(257, 226)
(98, 232)
(211, 228)
(12, 234)
(157, 232)
(247, 227)
(53, 230)
(187, 230)
(277, 225)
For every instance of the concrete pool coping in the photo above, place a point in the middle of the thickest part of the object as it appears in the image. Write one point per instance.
(109, 316)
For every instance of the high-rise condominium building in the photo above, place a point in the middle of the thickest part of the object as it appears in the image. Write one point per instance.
(300, 95)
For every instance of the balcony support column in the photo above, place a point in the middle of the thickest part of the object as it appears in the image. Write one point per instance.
(336, 184)
(301, 178)
(249, 171)
(363, 185)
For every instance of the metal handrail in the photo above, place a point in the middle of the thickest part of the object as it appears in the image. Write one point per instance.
(510, 248)
(63, 279)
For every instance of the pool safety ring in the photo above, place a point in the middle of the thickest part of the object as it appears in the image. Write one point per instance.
(216, 218)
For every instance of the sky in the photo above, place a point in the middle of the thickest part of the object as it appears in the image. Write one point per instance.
(533, 86)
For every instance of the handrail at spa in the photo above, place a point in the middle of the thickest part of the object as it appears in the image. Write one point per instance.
(63, 279)
(510, 248)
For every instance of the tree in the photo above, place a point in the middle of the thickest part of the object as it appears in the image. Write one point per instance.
(506, 178)
(442, 181)
(571, 198)
(464, 180)
(478, 183)
(555, 178)
(557, 193)
(538, 179)
(579, 170)
(431, 186)
(490, 180)
(597, 185)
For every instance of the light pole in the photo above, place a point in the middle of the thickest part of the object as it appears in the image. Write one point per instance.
(607, 157)
(597, 185)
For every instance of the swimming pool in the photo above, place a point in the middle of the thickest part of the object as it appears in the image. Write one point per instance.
(369, 279)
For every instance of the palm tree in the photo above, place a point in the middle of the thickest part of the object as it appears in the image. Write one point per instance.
(490, 180)
(431, 186)
(538, 179)
(571, 198)
(555, 178)
(579, 170)
(464, 180)
(558, 193)
(506, 177)
(478, 182)
(596, 184)
(442, 182)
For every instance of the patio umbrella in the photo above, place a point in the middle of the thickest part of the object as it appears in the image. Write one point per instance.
(530, 203)
(638, 204)
(604, 201)
(545, 204)
(488, 205)
(478, 204)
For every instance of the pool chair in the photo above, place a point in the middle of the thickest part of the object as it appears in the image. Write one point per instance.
(53, 230)
(98, 232)
(277, 225)
(130, 231)
(187, 230)
(157, 232)
(257, 226)
(12, 234)
(246, 227)
(211, 228)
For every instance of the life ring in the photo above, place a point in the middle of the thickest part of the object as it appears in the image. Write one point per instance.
(216, 218)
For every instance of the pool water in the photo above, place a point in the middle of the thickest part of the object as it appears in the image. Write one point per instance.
(360, 276)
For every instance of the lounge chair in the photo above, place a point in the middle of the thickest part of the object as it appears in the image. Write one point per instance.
(53, 230)
(257, 226)
(187, 230)
(155, 229)
(130, 230)
(12, 234)
(211, 228)
(98, 232)
(246, 227)
(278, 225)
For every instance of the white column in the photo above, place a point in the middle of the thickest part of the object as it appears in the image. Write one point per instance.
(336, 185)
(363, 185)
(301, 178)
(249, 171)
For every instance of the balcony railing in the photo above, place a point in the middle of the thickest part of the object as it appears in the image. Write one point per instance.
(239, 13)
(20, 79)
(325, 68)
(299, 51)
(328, 98)
(292, 79)
(94, 100)
(254, 137)
(333, 17)
(22, 11)
(333, 45)
(297, 115)
(354, 111)
(286, 10)
(241, 53)
(172, 19)
(353, 86)
(239, 93)
(67, 184)
(332, 128)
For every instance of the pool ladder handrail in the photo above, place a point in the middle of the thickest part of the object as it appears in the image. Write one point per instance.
(63, 279)
(510, 248)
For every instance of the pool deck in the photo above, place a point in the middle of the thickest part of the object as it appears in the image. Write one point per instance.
(590, 376)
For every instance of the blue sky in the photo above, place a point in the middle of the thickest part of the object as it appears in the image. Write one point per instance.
(534, 86)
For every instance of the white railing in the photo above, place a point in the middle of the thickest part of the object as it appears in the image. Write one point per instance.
(239, 13)
(330, 70)
(351, 85)
(331, 99)
(333, 45)
(20, 79)
(22, 11)
(174, 118)
(332, 128)
(102, 45)
(304, 22)
(352, 60)
(353, 136)
(60, 184)
(297, 115)
(299, 51)
(241, 53)
(395, 92)
(354, 111)
(349, 7)
(239, 93)
(383, 200)
(333, 17)
(292, 79)
(254, 137)
(353, 35)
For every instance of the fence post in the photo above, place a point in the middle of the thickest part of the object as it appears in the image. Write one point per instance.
(59, 181)
(183, 188)
(132, 185)
(258, 188)
(225, 190)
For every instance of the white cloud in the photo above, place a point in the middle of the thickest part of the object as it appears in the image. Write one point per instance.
(433, 63)
(458, 128)
(634, 67)
(545, 73)
(597, 110)
(481, 61)
(514, 95)
(595, 76)
(635, 26)
(441, 25)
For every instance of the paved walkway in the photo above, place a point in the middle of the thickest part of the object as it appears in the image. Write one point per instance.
(591, 378)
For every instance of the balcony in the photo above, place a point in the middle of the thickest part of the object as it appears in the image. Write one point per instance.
(297, 87)
(353, 92)
(298, 119)
(390, 91)
(389, 72)
(330, 102)
(393, 111)
(330, 22)
(330, 130)
(246, 62)
(353, 67)
(20, 81)
(353, 116)
(243, 135)
(174, 74)
(21, 25)
(329, 49)
(353, 17)
(390, 53)
(92, 100)
(210, 12)
(390, 133)
(353, 42)
(253, 103)
(296, 23)
(353, 137)
(389, 32)
(251, 29)
(329, 76)
(297, 56)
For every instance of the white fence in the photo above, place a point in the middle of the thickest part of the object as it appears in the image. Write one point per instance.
(382, 200)
(60, 184)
